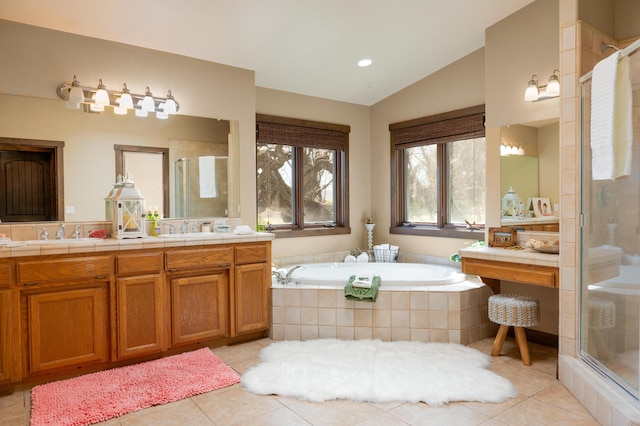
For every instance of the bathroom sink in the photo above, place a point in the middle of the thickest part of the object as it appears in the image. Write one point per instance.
(68, 241)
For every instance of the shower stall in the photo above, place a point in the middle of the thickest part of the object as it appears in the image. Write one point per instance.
(610, 225)
(200, 186)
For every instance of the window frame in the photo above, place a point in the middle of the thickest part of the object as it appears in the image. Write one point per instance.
(293, 130)
(425, 131)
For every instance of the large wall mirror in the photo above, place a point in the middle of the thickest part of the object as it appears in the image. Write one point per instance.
(534, 171)
(201, 178)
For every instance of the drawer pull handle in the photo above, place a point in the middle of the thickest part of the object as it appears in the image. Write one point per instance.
(100, 277)
(29, 284)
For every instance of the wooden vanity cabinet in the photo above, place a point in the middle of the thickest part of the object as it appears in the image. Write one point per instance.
(251, 289)
(141, 305)
(9, 319)
(66, 305)
(199, 285)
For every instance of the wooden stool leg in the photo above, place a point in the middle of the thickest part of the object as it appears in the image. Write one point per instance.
(521, 338)
(499, 340)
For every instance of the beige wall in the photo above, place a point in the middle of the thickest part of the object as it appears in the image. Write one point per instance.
(523, 44)
(292, 105)
(549, 160)
(458, 85)
(42, 59)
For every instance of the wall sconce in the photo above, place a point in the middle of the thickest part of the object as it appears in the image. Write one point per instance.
(96, 98)
(534, 92)
(510, 149)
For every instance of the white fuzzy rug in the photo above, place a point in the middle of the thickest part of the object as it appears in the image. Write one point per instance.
(376, 371)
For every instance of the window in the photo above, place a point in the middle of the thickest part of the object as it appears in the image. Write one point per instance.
(302, 176)
(438, 175)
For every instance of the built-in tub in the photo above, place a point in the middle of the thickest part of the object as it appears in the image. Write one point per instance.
(415, 302)
(627, 281)
(396, 275)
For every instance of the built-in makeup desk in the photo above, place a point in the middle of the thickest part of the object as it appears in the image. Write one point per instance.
(522, 265)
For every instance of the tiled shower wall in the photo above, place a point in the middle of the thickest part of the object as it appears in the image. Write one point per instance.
(579, 51)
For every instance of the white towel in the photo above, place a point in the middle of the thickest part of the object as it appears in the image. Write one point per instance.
(623, 128)
(610, 118)
(363, 281)
(207, 176)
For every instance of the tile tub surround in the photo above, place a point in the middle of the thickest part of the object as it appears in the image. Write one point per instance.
(455, 313)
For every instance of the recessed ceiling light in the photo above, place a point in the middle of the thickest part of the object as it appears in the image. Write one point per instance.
(364, 62)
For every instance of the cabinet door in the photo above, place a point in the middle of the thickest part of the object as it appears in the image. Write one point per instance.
(7, 348)
(199, 307)
(67, 328)
(252, 302)
(140, 315)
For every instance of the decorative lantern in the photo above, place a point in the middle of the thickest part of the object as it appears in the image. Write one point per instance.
(108, 201)
(127, 211)
(511, 204)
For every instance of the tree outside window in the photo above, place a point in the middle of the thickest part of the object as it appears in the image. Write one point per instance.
(301, 176)
(438, 174)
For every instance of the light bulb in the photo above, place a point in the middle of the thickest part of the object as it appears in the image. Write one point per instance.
(101, 97)
(531, 94)
(148, 104)
(161, 114)
(76, 95)
(170, 104)
(126, 101)
(140, 111)
(553, 88)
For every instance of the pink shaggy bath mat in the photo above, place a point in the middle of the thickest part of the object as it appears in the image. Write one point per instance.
(100, 396)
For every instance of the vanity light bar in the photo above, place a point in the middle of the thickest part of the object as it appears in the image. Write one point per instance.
(99, 97)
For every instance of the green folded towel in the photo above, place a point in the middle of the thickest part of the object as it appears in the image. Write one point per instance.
(362, 294)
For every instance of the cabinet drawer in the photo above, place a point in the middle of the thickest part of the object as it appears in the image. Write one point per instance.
(253, 253)
(64, 269)
(198, 259)
(139, 264)
(518, 272)
(5, 274)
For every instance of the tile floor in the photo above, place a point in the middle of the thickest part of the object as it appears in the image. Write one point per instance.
(541, 400)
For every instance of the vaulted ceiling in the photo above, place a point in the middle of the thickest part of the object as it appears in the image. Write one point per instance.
(301, 46)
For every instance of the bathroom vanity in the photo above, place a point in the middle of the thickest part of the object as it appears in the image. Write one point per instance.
(494, 264)
(95, 305)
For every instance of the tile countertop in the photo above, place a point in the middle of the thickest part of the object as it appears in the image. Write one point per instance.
(500, 254)
(22, 248)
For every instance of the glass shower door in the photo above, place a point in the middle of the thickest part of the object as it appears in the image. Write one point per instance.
(610, 255)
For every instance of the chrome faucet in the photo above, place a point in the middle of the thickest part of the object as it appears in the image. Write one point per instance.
(44, 235)
(76, 232)
(286, 279)
(172, 229)
(60, 232)
(196, 227)
(185, 227)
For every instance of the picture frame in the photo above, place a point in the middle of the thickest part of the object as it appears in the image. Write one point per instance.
(505, 236)
(542, 207)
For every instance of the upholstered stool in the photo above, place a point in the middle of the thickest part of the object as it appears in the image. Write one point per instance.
(517, 311)
(602, 316)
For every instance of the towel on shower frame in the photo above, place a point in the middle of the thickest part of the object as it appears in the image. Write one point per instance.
(362, 294)
(611, 119)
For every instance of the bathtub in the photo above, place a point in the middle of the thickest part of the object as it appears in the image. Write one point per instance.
(627, 282)
(405, 275)
(416, 302)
